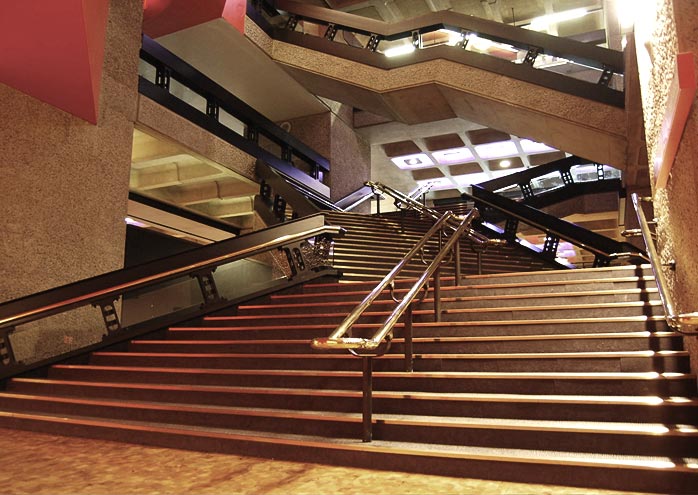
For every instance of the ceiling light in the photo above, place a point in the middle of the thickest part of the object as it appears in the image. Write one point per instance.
(541, 23)
(453, 156)
(534, 147)
(407, 162)
(399, 50)
(501, 149)
(505, 163)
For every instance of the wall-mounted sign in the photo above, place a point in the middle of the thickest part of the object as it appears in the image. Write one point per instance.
(681, 93)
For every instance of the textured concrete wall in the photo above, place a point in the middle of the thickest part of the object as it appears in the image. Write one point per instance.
(669, 28)
(64, 187)
(332, 135)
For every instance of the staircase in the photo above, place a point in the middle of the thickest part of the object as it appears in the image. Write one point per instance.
(564, 377)
(373, 245)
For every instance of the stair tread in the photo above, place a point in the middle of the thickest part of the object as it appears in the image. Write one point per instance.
(498, 297)
(423, 355)
(688, 465)
(653, 401)
(393, 419)
(646, 375)
(492, 338)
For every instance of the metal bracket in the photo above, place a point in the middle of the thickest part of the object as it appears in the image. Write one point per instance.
(464, 38)
(511, 227)
(600, 175)
(292, 23)
(162, 77)
(567, 178)
(526, 190)
(252, 134)
(287, 154)
(600, 261)
(212, 108)
(550, 245)
(606, 77)
(416, 39)
(109, 315)
(7, 356)
(207, 284)
(265, 190)
(279, 207)
(331, 32)
(294, 256)
(531, 56)
(373, 41)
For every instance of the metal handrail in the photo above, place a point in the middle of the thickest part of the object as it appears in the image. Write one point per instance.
(674, 319)
(337, 340)
(413, 204)
(88, 297)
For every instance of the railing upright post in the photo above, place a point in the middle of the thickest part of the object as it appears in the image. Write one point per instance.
(437, 295)
(367, 398)
(479, 262)
(409, 354)
(456, 253)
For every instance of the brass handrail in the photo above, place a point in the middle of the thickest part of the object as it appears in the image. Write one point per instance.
(425, 210)
(336, 340)
(674, 319)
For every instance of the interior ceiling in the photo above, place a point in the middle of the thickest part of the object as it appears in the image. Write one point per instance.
(177, 176)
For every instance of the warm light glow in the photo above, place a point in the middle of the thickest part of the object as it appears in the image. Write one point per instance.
(541, 23)
(627, 12)
(505, 163)
(135, 223)
(454, 37)
(481, 44)
(399, 50)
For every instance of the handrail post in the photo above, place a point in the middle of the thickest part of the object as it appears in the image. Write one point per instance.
(479, 262)
(409, 354)
(437, 295)
(456, 253)
(367, 398)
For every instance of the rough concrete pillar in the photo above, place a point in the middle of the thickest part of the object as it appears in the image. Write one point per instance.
(64, 184)
(667, 29)
(332, 135)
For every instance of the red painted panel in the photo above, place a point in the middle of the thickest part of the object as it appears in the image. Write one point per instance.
(162, 17)
(53, 51)
(234, 12)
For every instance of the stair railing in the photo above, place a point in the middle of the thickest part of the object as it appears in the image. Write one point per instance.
(675, 320)
(479, 241)
(143, 298)
(379, 343)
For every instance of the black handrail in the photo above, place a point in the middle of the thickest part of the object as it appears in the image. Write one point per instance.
(168, 65)
(604, 248)
(96, 289)
(527, 175)
(609, 61)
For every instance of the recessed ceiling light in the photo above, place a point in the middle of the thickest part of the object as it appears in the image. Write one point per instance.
(505, 163)
(453, 156)
(417, 160)
(491, 151)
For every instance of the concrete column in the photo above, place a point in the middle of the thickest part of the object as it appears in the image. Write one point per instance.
(667, 29)
(331, 134)
(64, 185)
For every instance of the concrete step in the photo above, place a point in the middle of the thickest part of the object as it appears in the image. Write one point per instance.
(627, 361)
(613, 341)
(553, 407)
(576, 436)
(654, 473)
(570, 383)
